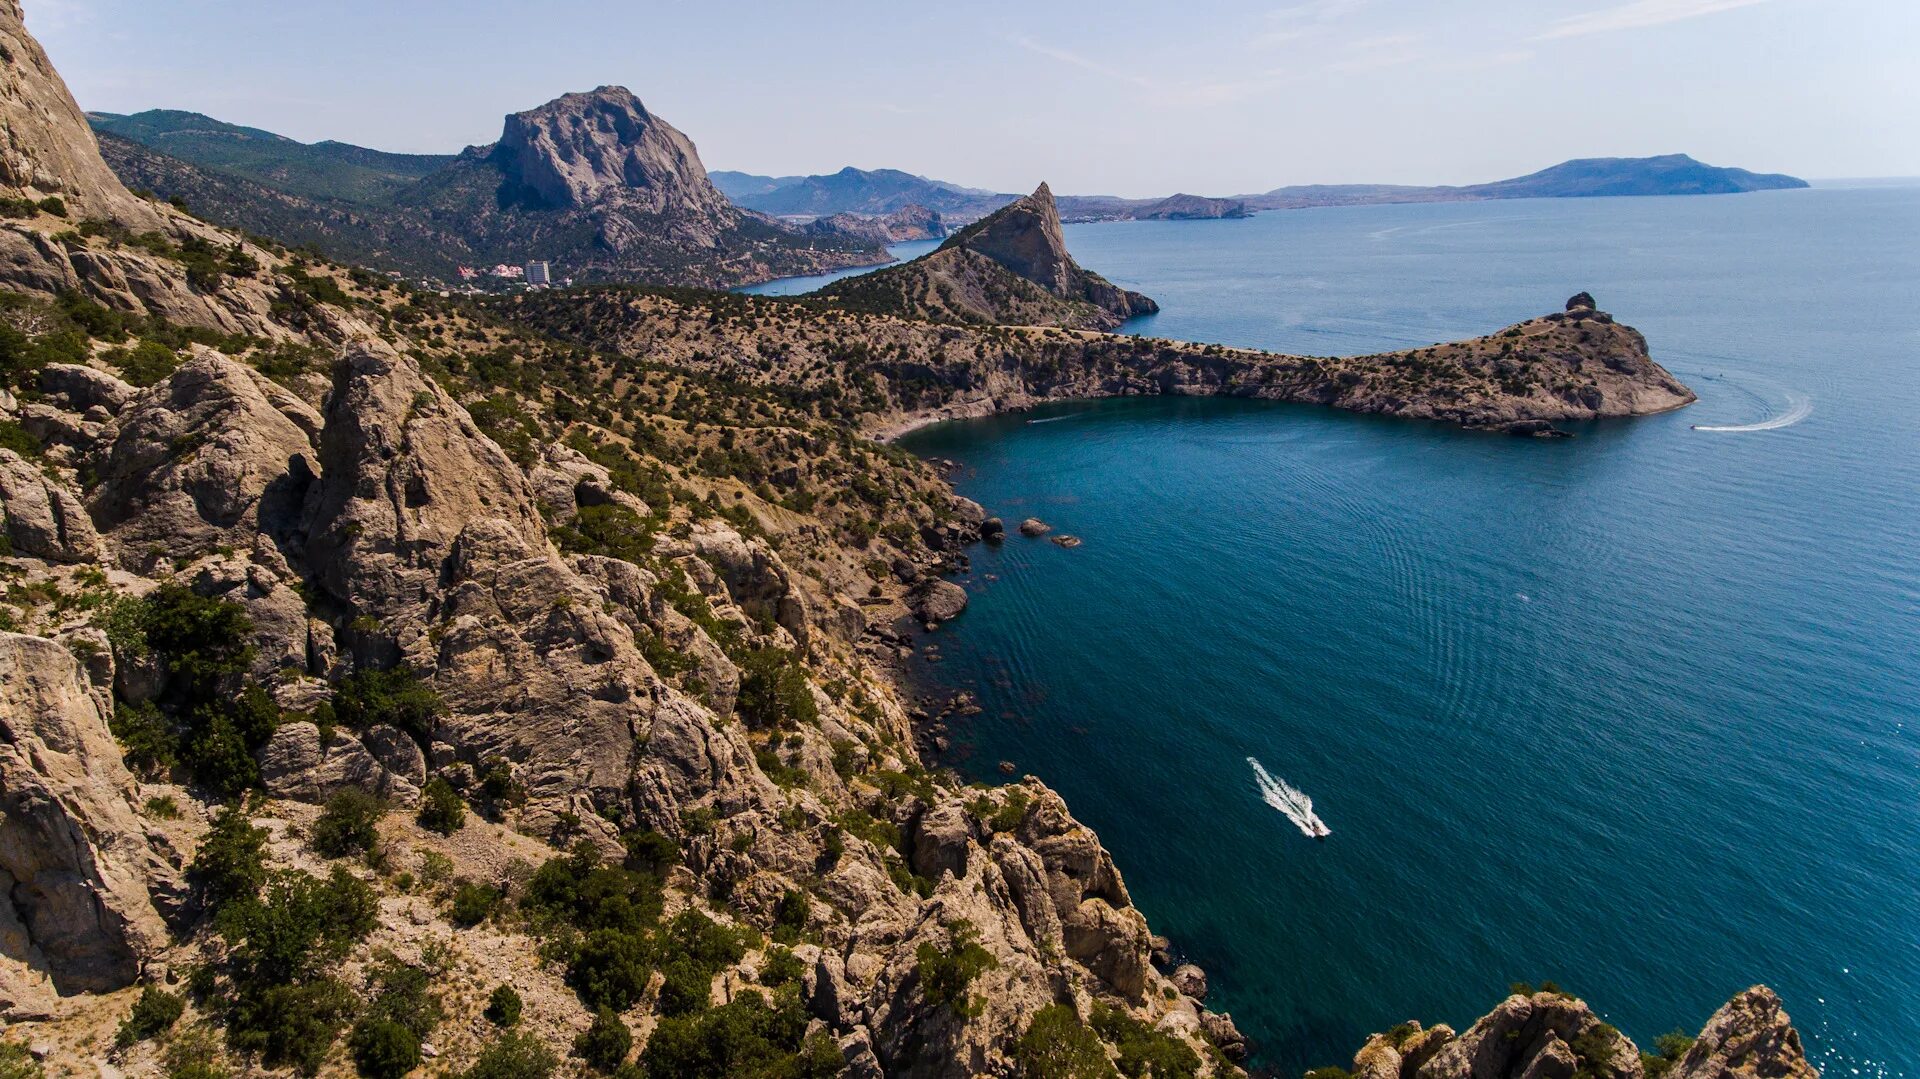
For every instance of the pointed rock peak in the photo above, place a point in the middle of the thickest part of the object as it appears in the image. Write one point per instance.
(1025, 237)
(46, 148)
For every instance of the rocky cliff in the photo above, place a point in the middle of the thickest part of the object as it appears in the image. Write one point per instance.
(1011, 267)
(353, 661)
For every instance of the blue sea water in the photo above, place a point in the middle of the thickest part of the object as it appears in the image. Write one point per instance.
(1637, 711)
(794, 286)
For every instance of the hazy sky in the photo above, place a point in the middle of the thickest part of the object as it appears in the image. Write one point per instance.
(1123, 97)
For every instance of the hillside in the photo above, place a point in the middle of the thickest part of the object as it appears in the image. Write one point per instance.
(592, 182)
(859, 191)
(1011, 267)
(322, 170)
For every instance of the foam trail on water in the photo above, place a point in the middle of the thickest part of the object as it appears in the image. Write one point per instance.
(1290, 801)
(1057, 419)
(1798, 408)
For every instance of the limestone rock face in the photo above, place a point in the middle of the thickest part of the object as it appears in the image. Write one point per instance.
(78, 873)
(1751, 1037)
(404, 473)
(584, 148)
(213, 455)
(80, 388)
(46, 147)
(42, 518)
(297, 764)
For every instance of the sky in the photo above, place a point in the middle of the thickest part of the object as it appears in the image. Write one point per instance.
(1123, 97)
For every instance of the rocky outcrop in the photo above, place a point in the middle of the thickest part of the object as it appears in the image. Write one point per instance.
(212, 456)
(1751, 1037)
(300, 764)
(1550, 1035)
(1538, 1036)
(78, 873)
(40, 517)
(46, 147)
(1011, 267)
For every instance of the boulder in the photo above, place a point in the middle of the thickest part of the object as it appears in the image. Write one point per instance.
(1191, 980)
(935, 600)
(297, 764)
(41, 517)
(1581, 301)
(81, 388)
(1034, 526)
(993, 530)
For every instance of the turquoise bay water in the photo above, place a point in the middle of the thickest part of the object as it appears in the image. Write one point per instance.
(1635, 711)
(794, 286)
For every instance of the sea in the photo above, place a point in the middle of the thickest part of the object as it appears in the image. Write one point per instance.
(1635, 712)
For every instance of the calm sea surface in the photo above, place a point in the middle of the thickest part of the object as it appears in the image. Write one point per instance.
(1638, 711)
(794, 286)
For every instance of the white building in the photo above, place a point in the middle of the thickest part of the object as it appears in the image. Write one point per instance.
(539, 274)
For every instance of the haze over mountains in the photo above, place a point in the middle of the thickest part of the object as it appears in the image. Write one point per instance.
(606, 190)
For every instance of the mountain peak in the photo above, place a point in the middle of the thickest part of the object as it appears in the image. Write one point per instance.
(584, 148)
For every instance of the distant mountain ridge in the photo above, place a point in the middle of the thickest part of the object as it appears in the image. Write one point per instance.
(592, 182)
(324, 170)
(608, 191)
(880, 190)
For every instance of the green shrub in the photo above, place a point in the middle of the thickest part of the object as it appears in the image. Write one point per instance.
(503, 1007)
(231, 863)
(781, 967)
(790, 916)
(14, 437)
(383, 1049)
(281, 949)
(1057, 1045)
(394, 697)
(147, 738)
(746, 1038)
(472, 903)
(195, 1054)
(513, 1056)
(1146, 1050)
(609, 529)
(153, 1015)
(947, 974)
(1669, 1048)
(348, 823)
(605, 1044)
(774, 691)
(17, 1063)
(146, 363)
(209, 715)
(440, 807)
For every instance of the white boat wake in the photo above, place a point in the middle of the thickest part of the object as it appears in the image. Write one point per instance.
(1798, 408)
(1297, 807)
(1056, 419)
